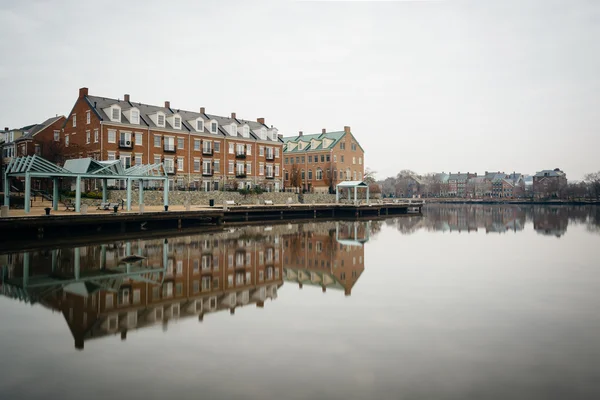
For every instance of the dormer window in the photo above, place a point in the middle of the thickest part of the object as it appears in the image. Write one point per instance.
(115, 114)
(177, 122)
(233, 130)
(160, 120)
(135, 117)
(199, 125)
(246, 131)
(213, 127)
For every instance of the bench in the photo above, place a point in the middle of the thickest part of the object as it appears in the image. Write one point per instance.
(69, 205)
(107, 206)
(229, 202)
(269, 202)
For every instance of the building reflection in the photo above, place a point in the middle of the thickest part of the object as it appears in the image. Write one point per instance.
(112, 289)
(329, 255)
(546, 219)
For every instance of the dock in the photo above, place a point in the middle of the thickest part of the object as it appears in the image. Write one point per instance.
(71, 224)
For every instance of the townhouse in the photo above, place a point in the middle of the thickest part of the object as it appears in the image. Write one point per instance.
(457, 183)
(199, 151)
(317, 162)
(549, 183)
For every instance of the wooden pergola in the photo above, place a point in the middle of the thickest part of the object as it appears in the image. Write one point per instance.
(29, 167)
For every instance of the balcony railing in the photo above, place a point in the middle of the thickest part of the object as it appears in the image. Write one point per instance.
(170, 147)
(169, 169)
(270, 177)
(208, 152)
(207, 172)
(125, 143)
(270, 157)
(240, 154)
(240, 175)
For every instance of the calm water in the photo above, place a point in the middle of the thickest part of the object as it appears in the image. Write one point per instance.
(466, 302)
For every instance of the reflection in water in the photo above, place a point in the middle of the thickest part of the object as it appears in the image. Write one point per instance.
(547, 220)
(114, 288)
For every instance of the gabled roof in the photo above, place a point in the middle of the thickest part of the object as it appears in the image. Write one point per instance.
(352, 184)
(333, 136)
(549, 172)
(31, 130)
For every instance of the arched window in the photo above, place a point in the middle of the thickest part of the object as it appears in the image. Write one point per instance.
(319, 174)
(310, 174)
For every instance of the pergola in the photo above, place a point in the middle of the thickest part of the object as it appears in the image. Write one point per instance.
(349, 185)
(83, 168)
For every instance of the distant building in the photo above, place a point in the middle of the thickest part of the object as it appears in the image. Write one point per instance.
(457, 184)
(549, 183)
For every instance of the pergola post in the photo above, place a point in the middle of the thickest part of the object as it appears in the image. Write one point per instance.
(337, 194)
(349, 194)
(27, 192)
(166, 192)
(141, 189)
(165, 254)
(129, 184)
(355, 195)
(55, 194)
(367, 195)
(6, 190)
(78, 194)
(104, 190)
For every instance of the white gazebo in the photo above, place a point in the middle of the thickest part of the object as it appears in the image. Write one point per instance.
(350, 185)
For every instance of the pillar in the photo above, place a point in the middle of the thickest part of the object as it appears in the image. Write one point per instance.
(6, 190)
(55, 194)
(104, 190)
(337, 195)
(77, 268)
(78, 194)
(367, 195)
(27, 192)
(166, 192)
(141, 189)
(129, 184)
(165, 254)
(355, 195)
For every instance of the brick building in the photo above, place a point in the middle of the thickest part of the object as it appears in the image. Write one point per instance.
(322, 160)
(199, 150)
(549, 183)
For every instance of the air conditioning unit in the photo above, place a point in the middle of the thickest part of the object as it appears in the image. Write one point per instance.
(128, 143)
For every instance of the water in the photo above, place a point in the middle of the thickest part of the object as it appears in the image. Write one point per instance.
(466, 302)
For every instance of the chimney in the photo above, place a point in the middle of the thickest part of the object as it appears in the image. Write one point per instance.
(233, 115)
(347, 129)
(260, 120)
(6, 129)
(126, 98)
(83, 92)
(300, 133)
(167, 104)
(202, 110)
(323, 130)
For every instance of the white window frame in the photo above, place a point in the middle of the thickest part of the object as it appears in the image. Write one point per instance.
(159, 137)
(96, 135)
(138, 159)
(74, 120)
(217, 166)
(248, 168)
(214, 126)
(158, 119)
(112, 114)
(261, 168)
(197, 164)
(180, 163)
(88, 137)
(57, 136)
(199, 125)
(249, 149)
(177, 122)
(113, 133)
(180, 143)
(231, 148)
(66, 140)
(88, 117)
(217, 146)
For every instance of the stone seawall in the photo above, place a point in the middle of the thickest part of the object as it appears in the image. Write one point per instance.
(176, 197)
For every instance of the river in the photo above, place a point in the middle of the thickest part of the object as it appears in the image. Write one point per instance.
(464, 302)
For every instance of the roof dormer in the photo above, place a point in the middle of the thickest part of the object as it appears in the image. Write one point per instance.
(175, 121)
(327, 143)
(302, 145)
(246, 131)
(113, 112)
(214, 126)
(262, 133)
(198, 124)
(272, 134)
(158, 118)
(233, 129)
(291, 146)
(133, 115)
(314, 143)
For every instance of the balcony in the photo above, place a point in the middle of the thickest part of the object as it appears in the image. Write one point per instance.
(240, 154)
(207, 172)
(125, 143)
(169, 169)
(269, 177)
(270, 157)
(170, 147)
(240, 175)
(207, 152)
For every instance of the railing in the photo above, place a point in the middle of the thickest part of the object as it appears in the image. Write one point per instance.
(240, 175)
(169, 147)
(270, 177)
(270, 157)
(128, 144)
(240, 155)
(207, 172)
(206, 151)
(169, 170)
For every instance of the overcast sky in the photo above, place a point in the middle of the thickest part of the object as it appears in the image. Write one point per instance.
(509, 85)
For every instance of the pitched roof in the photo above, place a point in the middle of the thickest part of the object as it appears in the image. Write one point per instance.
(333, 136)
(549, 172)
(32, 130)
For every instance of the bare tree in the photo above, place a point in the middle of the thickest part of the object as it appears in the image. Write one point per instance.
(593, 181)
(369, 176)
(295, 178)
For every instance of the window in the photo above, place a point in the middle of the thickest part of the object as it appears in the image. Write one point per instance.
(196, 165)
(322, 158)
(115, 114)
(249, 149)
(276, 169)
(177, 122)
(287, 175)
(310, 174)
(206, 167)
(230, 167)
(249, 168)
(112, 156)
(342, 146)
(359, 160)
(180, 142)
(138, 159)
(112, 136)
(217, 146)
(125, 160)
(261, 150)
(56, 136)
(261, 169)
(108, 302)
(160, 119)
(206, 146)
(74, 120)
(180, 161)
(240, 149)
(88, 137)
(342, 158)
(199, 125)
(348, 175)
(231, 146)
(138, 138)
(334, 158)
(319, 174)
(302, 174)
(213, 127)
(96, 135)
(276, 152)
(87, 117)
(38, 149)
(309, 159)
(196, 144)
(217, 166)
(269, 170)
(157, 159)
(246, 131)
(240, 169)
(157, 140)
(67, 140)
(135, 117)
(327, 158)
(353, 160)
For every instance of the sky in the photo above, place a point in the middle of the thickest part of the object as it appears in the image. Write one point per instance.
(469, 86)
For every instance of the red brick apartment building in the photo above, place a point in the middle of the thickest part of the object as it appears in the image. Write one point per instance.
(199, 150)
(322, 160)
